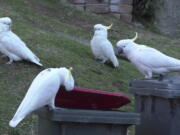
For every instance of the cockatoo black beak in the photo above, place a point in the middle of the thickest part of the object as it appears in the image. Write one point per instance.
(118, 50)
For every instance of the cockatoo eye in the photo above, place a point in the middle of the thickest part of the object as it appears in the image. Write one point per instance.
(97, 29)
(123, 46)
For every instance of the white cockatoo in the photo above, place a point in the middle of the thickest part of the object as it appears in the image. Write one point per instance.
(12, 46)
(101, 46)
(148, 60)
(43, 91)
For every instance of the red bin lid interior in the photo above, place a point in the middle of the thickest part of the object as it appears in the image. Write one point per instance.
(90, 99)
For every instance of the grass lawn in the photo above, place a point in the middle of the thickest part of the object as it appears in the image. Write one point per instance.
(57, 34)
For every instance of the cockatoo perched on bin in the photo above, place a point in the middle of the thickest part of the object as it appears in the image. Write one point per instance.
(101, 46)
(43, 91)
(148, 60)
(12, 46)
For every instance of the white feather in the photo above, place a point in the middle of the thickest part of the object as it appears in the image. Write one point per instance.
(42, 92)
(6, 20)
(148, 60)
(13, 47)
(101, 46)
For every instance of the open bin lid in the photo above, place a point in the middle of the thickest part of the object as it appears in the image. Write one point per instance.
(90, 99)
(167, 87)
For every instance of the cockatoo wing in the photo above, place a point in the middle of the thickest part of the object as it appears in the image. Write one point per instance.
(41, 92)
(108, 51)
(153, 58)
(13, 44)
(107, 48)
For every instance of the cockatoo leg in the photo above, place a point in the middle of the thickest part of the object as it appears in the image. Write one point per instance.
(52, 104)
(148, 75)
(10, 61)
(103, 61)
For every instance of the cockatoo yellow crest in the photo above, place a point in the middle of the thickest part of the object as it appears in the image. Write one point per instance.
(136, 36)
(70, 74)
(109, 27)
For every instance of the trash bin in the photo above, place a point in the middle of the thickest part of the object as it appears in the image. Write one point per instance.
(62, 121)
(158, 102)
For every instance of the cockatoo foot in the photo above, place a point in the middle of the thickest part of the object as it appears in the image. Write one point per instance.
(103, 61)
(52, 104)
(52, 108)
(116, 66)
(148, 77)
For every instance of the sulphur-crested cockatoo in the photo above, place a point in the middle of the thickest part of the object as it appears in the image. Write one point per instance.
(101, 46)
(43, 91)
(13, 47)
(148, 60)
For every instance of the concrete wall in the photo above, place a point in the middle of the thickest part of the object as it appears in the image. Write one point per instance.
(167, 17)
(121, 9)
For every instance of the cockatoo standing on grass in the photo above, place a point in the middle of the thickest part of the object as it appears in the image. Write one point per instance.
(101, 46)
(43, 91)
(148, 60)
(12, 46)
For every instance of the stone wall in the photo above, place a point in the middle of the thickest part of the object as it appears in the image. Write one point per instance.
(121, 9)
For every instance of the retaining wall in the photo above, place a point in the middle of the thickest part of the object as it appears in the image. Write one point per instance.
(121, 9)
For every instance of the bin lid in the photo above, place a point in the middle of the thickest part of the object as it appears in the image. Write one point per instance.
(90, 99)
(167, 87)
